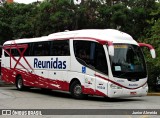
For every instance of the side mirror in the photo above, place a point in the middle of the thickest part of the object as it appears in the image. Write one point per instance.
(153, 53)
(111, 50)
(152, 50)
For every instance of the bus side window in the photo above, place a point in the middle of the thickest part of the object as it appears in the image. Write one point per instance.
(60, 48)
(91, 54)
(5, 53)
(100, 59)
(40, 48)
(28, 50)
(15, 52)
(82, 51)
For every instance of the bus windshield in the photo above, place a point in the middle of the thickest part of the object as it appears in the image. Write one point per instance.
(128, 62)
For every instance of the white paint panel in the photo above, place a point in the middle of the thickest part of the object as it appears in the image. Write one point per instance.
(101, 84)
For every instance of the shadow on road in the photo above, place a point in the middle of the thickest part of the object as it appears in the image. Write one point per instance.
(60, 94)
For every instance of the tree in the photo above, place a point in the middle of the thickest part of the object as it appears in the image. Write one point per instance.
(153, 38)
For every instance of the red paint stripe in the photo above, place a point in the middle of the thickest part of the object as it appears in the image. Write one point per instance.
(12, 46)
(103, 42)
(118, 83)
(31, 79)
(15, 46)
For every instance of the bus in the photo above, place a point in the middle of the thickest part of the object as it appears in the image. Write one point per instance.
(105, 62)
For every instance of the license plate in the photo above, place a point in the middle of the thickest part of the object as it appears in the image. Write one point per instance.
(133, 93)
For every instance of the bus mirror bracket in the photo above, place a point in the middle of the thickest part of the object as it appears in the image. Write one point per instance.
(152, 50)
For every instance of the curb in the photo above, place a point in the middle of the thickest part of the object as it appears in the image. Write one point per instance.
(153, 94)
(4, 84)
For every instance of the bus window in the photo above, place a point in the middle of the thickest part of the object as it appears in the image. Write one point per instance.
(91, 54)
(28, 50)
(60, 48)
(100, 59)
(40, 49)
(15, 52)
(5, 54)
(82, 51)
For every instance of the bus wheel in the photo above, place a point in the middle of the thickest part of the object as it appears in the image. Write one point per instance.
(76, 90)
(19, 83)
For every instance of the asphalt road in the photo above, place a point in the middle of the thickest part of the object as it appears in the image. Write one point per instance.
(11, 98)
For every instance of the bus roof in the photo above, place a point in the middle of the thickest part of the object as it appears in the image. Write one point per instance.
(111, 35)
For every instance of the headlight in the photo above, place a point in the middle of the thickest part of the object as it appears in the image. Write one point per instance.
(113, 86)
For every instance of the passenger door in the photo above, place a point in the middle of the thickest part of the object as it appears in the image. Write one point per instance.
(101, 67)
(94, 65)
(85, 53)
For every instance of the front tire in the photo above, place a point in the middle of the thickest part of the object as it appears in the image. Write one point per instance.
(19, 83)
(76, 90)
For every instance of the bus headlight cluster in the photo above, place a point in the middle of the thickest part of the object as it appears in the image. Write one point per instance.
(113, 86)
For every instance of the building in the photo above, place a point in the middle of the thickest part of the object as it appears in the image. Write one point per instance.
(10, 1)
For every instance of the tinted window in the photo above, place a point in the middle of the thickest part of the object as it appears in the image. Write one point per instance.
(91, 54)
(40, 49)
(100, 59)
(8, 50)
(14, 52)
(60, 48)
(45, 48)
(28, 51)
(82, 51)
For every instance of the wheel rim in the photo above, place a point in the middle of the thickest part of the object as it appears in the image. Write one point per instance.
(20, 83)
(77, 90)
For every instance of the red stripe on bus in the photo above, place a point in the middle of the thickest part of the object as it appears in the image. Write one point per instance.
(15, 46)
(103, 42)
(118, 83)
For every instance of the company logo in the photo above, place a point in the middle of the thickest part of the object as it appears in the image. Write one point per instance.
(55, 64)
(6, 112)
(133, 84)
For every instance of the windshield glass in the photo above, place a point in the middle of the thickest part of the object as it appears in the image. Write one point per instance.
(128, 62)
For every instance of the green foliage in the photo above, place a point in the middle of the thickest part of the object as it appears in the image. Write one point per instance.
(50, 16)
(154, 39)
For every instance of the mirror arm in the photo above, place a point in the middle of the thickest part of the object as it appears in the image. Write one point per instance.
(146, 45)
(152, 50)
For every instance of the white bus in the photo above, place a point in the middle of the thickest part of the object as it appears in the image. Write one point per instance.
(105, 63)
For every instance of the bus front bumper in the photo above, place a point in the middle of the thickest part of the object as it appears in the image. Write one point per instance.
(124, 92)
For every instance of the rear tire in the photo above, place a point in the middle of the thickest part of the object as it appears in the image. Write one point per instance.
(19, 83)
(76, 90)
